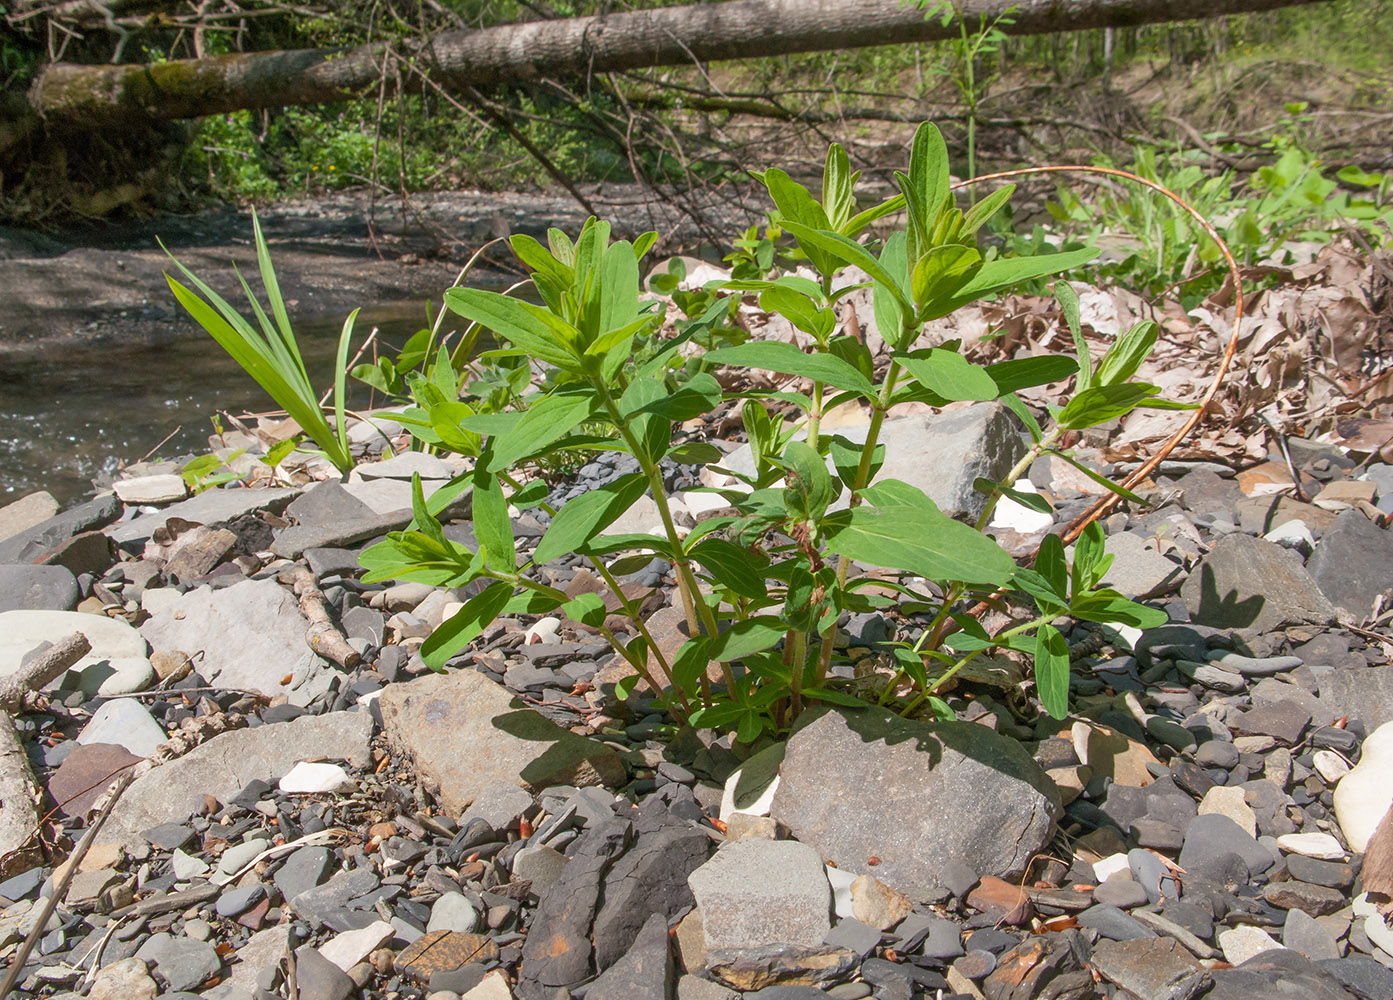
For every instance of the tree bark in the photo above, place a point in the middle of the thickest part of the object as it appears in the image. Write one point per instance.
(734, 29)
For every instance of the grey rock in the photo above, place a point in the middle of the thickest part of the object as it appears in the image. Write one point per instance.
(1304, 934)
(208, 507)
(645, 970)
(1217, 753)
(452, 912)
(1152, 875)
(558, 950)
(1112, 923)
(944, 938)
(33, 588)
(540, 865)
(229, 762)
(235, 902)
(1335, 874)
(1258, 666)
(650, 878)
(1278, 974)
(303, 870)
(126, 723)
(181, 962)
(1284, 721)
(1248, 583)
(1151, 969)
(405, 465)
(1353, 563)
(1139, 570)
(844, 771)
(757, 892)
(1365, 977)
(168, 836)
(500, 805)
(25, 513)
(1210, 837)
(332, 562)
(247, 636)
(692, 988)
(317, 978)
(1122, 893)
(33, 543)
(322, 903)
(466, 733)
(329, 516)
(853, 935)
(1363, 693)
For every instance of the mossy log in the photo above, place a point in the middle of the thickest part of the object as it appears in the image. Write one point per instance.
(735, 29)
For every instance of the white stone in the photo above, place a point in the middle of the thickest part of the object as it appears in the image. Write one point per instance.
(542, 632)
(126, 723)
(1363, 796)
(156, 599)
(1379, 932)
(1312, 845)
(1362, 906)
(452, 912)
(494, 986)
(1241, 943)
(1017, 516)
(150, 489)
(186, 866)
(1292, 535)
(1225, 800)
(316, 779)
(1330, 765)
(701, 503)
(128, 979)
(118, 663)
(759, 807)
(349, 948)
(841, 891)
(1110, 866)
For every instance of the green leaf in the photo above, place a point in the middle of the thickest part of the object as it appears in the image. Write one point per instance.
(1052, 671)
(1090, 560)
(542, 423)
(588, 609)
(996, 275)
(848, 251)
(1069, 306)
(1097, 477)
(979, 214)
(928, 170)
(587, 515)
(788, 360)
(1051, 601)
(532, 328)
(492, 527)
(1100, 403)
(752, 635)
(931, 545)
(539, 259)
(891, 319)
(1022, 412)
(530, 495)
(837, 183)
(949, 374)
(1031, 501)
(739, 569)
(853, 226)
(1109, 607)
(846, 459)
(696, 396)
(809, 489)
(1127, 353)
(1023, 373)
(940, 272)
(1049, 563)
(799, 310)
(460, 629)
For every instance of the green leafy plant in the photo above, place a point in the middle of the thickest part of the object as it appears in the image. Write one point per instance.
(761, 589)
(271, 355)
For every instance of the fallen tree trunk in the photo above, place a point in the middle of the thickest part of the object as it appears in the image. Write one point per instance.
(664, 36)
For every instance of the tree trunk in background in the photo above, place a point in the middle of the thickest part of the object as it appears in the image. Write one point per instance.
(736, 29)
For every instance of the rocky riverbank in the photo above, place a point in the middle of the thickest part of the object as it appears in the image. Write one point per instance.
(1202, 825)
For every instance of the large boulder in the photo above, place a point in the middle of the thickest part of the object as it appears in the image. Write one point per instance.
(879, 795)
(1248, 583)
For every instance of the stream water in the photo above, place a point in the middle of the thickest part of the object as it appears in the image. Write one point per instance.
(67, 416)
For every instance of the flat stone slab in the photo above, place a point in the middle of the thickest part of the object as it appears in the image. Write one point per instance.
(1353, 564)
(1247, 583)
(466, 733)
(209, 507)
(117, 663)
(1363, 693)
(25, 513)
(126, 723)
(37, 588)
(29, 545)
(227, 763)
(248, 636)
(757, 892)
(862, 784)
(163, 488)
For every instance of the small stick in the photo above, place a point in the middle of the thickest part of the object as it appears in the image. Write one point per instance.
(323, 636)
(16, 689)
(60, 890)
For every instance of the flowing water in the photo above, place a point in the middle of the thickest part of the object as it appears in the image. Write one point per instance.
(69, 415)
